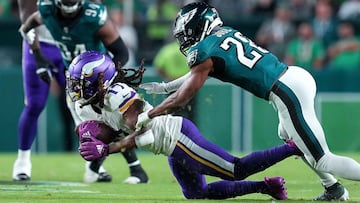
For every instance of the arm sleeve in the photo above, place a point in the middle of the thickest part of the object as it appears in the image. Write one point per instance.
(175, 84)
(119, 51)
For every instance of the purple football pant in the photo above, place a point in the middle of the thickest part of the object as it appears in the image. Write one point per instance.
(194, 157)
(36, 92)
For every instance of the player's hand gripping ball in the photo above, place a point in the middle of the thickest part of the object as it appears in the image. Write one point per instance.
(88, 130)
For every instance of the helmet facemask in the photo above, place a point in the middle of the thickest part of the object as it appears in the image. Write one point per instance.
(69, 7)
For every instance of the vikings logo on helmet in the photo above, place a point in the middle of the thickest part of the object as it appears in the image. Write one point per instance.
(84, 73)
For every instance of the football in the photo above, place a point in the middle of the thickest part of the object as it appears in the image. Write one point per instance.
(97, 129)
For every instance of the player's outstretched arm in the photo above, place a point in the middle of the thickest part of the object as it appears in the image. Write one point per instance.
(164, 88)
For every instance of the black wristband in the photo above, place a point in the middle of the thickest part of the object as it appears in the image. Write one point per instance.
(119, 50)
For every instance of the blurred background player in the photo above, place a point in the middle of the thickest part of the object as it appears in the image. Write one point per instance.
(77, 26)
(305, 50)
(36, 90)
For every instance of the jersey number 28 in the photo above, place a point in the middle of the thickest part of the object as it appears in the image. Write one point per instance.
(238, 41)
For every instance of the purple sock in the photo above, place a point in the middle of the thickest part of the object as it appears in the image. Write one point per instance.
(227, 189)
(261, 160)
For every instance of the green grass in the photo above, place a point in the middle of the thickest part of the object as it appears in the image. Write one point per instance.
(58, 178)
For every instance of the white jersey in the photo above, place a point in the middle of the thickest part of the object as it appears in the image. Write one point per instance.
(82, 114)
(165, 129)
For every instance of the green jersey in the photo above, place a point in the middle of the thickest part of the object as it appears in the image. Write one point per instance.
(78, 35)
(238, 60)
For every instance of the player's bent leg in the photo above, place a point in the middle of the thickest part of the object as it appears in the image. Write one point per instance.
(328, 181)
(275, 187)
(260, 160)
(137, 173)
(341, 166)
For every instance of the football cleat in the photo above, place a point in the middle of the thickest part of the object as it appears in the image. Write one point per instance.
(104, 177)
(21, 177)
(91, 176)
(137, 175)
(336, 192)
(21, 170)
(276, 187)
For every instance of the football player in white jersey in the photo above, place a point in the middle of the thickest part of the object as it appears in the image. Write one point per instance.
(85, 112)
(191, 156)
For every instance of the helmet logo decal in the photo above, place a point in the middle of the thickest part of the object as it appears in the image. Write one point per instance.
(185, 19)
(88, 69)
(191, 58)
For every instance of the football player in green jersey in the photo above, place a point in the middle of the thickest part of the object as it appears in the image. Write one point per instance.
(78, 26)
(224, 53)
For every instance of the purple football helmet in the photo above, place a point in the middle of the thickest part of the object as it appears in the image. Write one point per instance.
(84, 71)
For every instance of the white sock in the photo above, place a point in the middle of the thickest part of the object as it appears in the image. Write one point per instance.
(135, 163)
(24, 155)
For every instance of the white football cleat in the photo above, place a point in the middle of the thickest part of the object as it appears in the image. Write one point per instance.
(132, 180)
(90, 176)
(22, 170)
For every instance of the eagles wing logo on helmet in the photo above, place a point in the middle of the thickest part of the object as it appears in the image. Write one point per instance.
(183, 20)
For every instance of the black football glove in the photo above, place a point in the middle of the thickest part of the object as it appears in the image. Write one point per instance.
(44, 66)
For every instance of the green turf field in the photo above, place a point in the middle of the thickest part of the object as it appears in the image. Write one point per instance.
(58, 178)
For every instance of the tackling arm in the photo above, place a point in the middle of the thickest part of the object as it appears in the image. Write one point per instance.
(187, 90)
(181, 97)
(162, 87)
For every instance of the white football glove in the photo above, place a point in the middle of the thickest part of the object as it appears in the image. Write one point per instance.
(143, 120)
(154, 87)
(29, 36)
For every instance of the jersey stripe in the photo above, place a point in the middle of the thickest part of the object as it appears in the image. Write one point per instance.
(205, 157)
(294, 107)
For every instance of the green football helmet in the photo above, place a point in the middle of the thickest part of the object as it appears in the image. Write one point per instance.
(193, 23)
